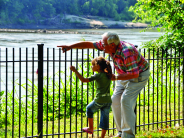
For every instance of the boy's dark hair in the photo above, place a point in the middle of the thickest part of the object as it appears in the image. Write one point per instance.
(105, 65)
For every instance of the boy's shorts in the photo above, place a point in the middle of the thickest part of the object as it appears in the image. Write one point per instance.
(104, 110)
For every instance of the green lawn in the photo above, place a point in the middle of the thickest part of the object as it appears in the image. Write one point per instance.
(74, 124)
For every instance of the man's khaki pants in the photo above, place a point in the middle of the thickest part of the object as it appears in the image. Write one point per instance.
(124, 101)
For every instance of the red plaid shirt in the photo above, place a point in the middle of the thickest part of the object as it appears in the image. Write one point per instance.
(127, 58)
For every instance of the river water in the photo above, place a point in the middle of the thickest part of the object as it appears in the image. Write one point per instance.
(30, 40)
(133, 36)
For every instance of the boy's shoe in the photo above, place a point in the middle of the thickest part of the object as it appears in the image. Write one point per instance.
(86, 130)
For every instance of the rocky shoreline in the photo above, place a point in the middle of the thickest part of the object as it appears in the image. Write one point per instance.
(60, 25)
(46, 31)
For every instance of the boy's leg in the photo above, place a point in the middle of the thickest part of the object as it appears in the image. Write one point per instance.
(90, 121)
(104, 120)
(90, 110)
(103, 133)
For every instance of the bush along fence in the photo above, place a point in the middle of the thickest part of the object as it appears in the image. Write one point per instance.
(41, 97)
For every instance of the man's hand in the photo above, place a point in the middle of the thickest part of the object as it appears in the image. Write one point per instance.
(64, 48)
(113, 77)
(124, 76)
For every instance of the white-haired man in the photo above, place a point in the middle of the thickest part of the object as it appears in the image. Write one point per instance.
(133, 74)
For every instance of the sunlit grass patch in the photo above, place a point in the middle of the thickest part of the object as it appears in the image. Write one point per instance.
(176, 132)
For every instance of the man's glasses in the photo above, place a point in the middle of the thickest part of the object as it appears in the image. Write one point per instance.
(104, 44)
(111, 44)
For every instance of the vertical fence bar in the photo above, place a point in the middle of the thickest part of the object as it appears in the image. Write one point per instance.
(157, 84)
(166, 91)
(148, 88)
(98, 111)
(175, 86)
(82, 92)
(33, 91)
(76, 94)
(170, 85)
(135, 112)
(71, 95)
(47, 125)
(40, 90)
(6, 110)
(87, 83)
(26, 90)
(144, 98)
(93, 81)
(13, 92)
(179, 61)
(65, 95)
(139, 108)
(53, 91)
(113, 90)
(153, 86)
(59, 91)
(162, 90)
(19, 92)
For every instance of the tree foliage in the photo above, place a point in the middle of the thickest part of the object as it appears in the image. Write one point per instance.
(32, 11)
(166, 15)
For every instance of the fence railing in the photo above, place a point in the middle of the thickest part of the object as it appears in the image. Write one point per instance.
(39, 95)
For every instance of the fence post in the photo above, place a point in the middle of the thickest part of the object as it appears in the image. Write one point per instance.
(40, 90)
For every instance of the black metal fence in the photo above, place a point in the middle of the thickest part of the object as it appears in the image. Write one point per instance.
(39, 95)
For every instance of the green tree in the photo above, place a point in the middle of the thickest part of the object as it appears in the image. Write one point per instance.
(13, 10)
(95, 6)
(111, 8)
(107, 8)
(80, 5)
(121, 5)
(1, 4)
(72, 7)
(35, 11)
(60, 6)
(85, 8)
(167, 15)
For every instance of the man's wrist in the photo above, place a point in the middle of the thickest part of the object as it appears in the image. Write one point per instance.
(116, 77)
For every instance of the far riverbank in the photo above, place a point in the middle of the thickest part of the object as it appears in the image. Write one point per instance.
(72, 22)
(49, 31)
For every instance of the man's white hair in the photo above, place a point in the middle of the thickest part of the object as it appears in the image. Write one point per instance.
(112, 38)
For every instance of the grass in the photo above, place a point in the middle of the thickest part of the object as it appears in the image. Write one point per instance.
(67, 126)
(167, 132)
(74, 123)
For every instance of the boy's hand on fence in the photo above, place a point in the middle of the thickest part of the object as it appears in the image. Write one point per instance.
(64, 48)
(72, 68)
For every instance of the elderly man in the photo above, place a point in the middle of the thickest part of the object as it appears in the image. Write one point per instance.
(133, 74)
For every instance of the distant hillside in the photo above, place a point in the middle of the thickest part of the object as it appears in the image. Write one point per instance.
(52, 13)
